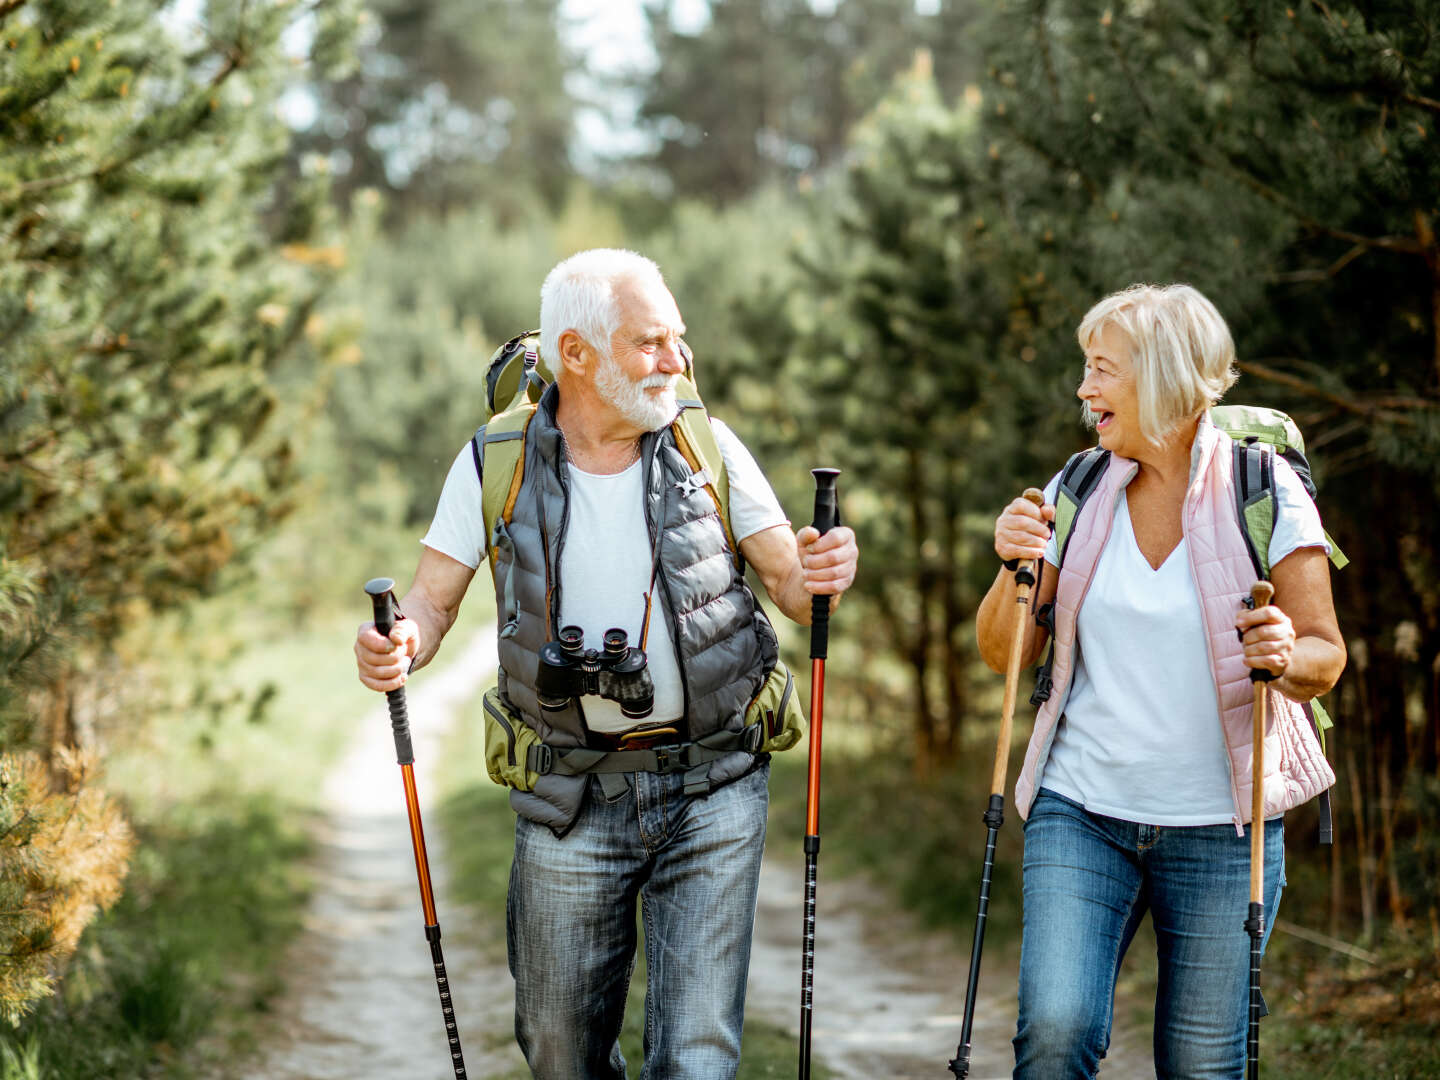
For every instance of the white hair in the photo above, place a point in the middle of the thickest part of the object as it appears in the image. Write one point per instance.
(579, 294)
(1181, 349)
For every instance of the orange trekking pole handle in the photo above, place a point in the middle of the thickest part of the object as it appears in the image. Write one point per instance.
(382, 595)
(995, 811)
(1261, 593)
(827, 516)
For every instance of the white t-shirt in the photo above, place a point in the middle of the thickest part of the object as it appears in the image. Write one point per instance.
(606, 558)
(1141, 738)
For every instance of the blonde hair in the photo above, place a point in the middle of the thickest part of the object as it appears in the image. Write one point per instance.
(1181, 349)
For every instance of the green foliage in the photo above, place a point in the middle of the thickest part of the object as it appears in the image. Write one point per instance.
(159, 341)
(449, 100)
(436, 297)
(767, 90)
(211, 898)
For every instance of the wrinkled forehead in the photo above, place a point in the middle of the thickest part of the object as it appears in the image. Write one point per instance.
(646, 304)
(1110, 340)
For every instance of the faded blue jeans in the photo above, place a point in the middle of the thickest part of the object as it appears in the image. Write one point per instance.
(693, 864)
(1089, 880)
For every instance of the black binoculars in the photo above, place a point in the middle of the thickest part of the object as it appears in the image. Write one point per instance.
(618, 672)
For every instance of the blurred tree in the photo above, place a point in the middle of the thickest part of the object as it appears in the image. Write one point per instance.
(768, 90)
(160, 351)
(436, 296)
(1283, 160)
(450, 104)
(884, 358)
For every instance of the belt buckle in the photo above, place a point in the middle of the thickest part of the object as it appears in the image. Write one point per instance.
(645, 738)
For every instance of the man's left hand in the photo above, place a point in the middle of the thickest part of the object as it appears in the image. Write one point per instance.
(829, 561)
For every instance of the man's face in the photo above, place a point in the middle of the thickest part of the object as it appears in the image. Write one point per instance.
(638, 377)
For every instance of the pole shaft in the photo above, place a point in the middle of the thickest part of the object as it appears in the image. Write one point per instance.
(384, 605)
(827, 515)
(1261, 594)
(417, 841)
(1012, 682)
(995, 811)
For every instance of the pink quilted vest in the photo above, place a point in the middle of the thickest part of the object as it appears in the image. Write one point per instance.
(1295, 767)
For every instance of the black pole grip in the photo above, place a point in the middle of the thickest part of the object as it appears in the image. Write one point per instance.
(382, 597)
(827, 516)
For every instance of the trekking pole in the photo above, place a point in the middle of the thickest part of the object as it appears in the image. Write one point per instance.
(1260, 595)
(827, 515)
(995, 812)
(383, 597)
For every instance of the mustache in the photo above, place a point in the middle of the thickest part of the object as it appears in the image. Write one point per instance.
(658, 381)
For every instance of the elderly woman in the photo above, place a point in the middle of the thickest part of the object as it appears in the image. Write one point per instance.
(1136, 788)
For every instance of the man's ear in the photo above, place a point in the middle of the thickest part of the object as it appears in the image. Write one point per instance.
(576, 355)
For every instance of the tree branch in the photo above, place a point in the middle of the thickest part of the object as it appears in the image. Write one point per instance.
(8, 6)
(1422, 102)
(1382, 408)
(1322, 275)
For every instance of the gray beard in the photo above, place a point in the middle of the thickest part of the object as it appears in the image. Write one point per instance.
(629, 398)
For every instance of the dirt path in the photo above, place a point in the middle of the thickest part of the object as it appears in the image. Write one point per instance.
(362, 1003)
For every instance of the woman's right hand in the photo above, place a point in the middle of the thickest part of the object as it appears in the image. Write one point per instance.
(1022, 530)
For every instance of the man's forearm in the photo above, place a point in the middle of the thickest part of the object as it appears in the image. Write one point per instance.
(434, 623)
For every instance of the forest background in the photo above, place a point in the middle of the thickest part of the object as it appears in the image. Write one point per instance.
(254, 254)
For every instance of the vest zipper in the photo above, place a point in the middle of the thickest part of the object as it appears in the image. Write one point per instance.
(672, 623)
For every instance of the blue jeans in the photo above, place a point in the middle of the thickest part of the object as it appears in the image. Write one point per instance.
(693, 862)
(1089, 880)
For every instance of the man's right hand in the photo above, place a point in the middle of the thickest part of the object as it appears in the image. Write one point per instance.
(384, 663)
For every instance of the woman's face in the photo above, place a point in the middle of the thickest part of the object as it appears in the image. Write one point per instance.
(1109, 393)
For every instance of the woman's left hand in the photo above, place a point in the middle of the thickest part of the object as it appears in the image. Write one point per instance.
(1269, 638)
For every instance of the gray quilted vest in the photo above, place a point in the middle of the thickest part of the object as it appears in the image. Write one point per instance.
(723, 641)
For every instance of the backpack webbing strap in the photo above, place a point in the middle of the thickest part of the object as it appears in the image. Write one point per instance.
(695, 439)
(1255, 502)
(500, 444)
(690, 757)
(1320, 722)
(1077, 482)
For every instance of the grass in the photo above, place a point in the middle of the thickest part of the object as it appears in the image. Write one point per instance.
(478, 826)
(232, 712)
(210, 901)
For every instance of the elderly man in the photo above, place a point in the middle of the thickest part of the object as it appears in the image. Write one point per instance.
(611, 529)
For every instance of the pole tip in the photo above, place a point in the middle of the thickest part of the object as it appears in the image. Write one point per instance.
(380, 586)
(1035, 495)
(825, 478)
(1262, 592)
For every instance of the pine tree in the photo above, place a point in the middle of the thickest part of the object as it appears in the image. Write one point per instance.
(1280, 158)
(154, 328)
(449, 100)
(768, 90)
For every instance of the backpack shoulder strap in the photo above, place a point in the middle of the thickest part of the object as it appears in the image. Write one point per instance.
(1078, 481)
(499, 452)
(1255, 502)
(695, 439)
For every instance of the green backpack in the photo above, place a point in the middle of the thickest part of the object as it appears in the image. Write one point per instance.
(515, 377)
(514, 380)
(1258, 434)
